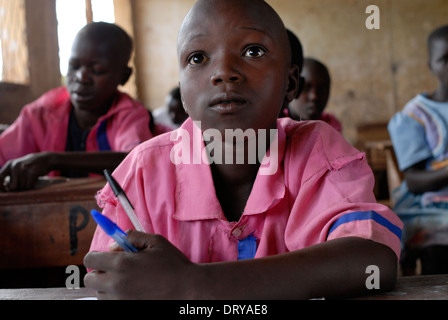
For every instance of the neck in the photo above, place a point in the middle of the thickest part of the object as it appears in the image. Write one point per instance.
(233, 185)
(238, 159)
(440, 95)
(235, 174)
(88, 118)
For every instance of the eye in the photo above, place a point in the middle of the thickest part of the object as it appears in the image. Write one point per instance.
(254, 52)
(197, 58)
(99, 70)
(73, 65)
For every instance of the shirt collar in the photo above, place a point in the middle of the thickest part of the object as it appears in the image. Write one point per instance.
(195, 192)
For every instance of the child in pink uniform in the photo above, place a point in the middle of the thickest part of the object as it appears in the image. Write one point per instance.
(311, 103)
(299, 222)
(66, 128)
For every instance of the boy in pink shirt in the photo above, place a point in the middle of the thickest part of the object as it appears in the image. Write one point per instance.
(84, 127)
(300, 221)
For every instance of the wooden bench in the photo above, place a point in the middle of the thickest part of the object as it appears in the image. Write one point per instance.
(48, 227)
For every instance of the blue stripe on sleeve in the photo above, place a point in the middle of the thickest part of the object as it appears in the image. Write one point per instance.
(366, 215)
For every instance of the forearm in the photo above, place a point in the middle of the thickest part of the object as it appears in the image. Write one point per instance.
(335, 268)
(93, 162)
(421, 180)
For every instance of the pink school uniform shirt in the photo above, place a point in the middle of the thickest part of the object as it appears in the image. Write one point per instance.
(43, 124)
(322, 190)
(331, 120)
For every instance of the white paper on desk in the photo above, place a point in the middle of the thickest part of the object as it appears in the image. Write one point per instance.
(88, 298)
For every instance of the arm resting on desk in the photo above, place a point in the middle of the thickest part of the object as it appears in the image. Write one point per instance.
(336, 268)
(25, 171)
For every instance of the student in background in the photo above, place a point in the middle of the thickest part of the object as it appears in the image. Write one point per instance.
(419, 134)
(312, 101)
(297, 60)
(237, 230)
(172, 114)
(82, 128)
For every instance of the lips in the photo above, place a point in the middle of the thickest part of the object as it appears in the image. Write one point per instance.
(82, 96)
(227, 103)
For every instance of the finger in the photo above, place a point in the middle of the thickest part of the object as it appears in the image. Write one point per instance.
(115, 247)
(5, 176)
(97, 281)
(102, 261)
(30, 180)
(142, 240)
(14, 182)
(18, 176)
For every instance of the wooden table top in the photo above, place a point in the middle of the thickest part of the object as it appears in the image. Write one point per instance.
(434, 287)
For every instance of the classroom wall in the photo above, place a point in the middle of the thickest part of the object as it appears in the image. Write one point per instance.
(156, 26)
(374, 72)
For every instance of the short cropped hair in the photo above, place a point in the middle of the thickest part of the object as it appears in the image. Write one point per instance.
(296, 50)
(437, 34)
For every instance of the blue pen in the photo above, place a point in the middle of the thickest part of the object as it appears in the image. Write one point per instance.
(113, 231)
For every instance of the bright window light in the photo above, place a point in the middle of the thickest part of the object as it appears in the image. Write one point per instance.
(71, 15)
(103, 10)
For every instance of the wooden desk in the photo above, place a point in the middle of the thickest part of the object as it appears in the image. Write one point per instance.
(407, 288)
(48, 227)
(433, 287)
(376, 154)
(46, 294)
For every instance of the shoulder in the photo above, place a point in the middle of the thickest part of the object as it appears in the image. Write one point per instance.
(309, 133)
(155, 150)
(125, 103)
(414, 112)
(318, 145)
(332, 121)
(50, 99)
(52, 103)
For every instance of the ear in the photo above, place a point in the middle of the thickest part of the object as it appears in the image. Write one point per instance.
(430, 66)
(295, 83)
(182, 99)
(301, 85)
(126, 75)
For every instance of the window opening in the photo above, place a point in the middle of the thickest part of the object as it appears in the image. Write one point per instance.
(14, 63)
(72, 15)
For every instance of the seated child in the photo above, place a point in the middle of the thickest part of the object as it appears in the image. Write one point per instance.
(87, 126)
(420, 140)
(312, 101)
(172, 114)
(300, 221)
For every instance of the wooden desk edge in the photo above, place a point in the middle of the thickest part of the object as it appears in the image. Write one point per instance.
(429, 287)
(46, 294)
(433, 287)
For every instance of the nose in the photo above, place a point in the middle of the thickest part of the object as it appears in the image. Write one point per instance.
(226, 71)
(83, 75)
(312, 94)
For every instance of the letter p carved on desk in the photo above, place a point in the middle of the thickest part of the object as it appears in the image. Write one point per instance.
(74, 228)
